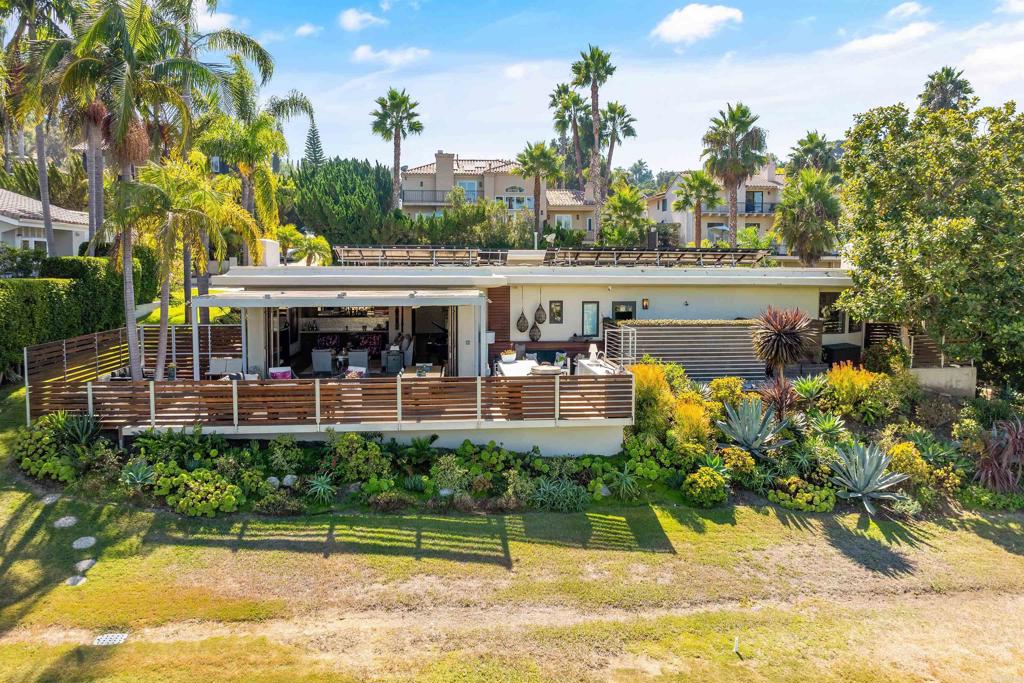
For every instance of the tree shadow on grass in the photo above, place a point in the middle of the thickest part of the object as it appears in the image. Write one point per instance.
(80, 663)
(885, 555)
(1004, 529)
(698, 519)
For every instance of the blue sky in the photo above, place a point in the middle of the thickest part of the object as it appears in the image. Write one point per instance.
(482, 71)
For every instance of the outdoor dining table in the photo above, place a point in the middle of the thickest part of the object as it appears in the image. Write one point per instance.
(519, 368)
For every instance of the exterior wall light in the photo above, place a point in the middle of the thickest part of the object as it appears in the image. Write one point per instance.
(645, 303)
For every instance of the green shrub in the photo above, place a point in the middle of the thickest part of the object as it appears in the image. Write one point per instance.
(34, 311)
(321, 488)
(705, 488)
(284, 456)
(391, 501)
(203, 493)
(908, 507)
(793, 493)
(654, 399)
(447, 473)
(936, 412)
(682, 455)
(38, 452)
(280, 502)
(906, 459)
(558, 495)
(96, 287)
(519, 490)
(981, 498)
(138, 474)
(727, 390)
(623, 483)
(351, 458)
(376, 485)
(738, 461)
(889, 356)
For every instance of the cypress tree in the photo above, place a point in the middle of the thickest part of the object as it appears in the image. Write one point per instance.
(314, 151)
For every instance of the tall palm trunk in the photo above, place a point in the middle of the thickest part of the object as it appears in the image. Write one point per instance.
(203, 280)
(44, 184)
(249, 204)
(186, 263)
(578, 150)
(21, 144)
(396, 182)
(8, 146)
(161, 347)
(698, 237)
(92, 154)
(536, 210)
(733, 214)
(595, 155)
(131, 327)
(611, 151)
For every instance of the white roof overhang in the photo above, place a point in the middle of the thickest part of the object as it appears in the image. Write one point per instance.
(307, 298)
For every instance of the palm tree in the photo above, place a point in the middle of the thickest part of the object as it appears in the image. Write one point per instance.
(697, 189)
(593, 69)
(945, 89)
(782, 337)
(288, 236)
(619, 123)
(394, 119)
(313, 247)
(807, 215)
(192, 210)
(625, 216)
(135, 80)
(569, 107)
(734, 148)
(814, 150)
(542, 163)
(37, 17)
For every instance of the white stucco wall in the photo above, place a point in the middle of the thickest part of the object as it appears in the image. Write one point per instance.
(693, 302)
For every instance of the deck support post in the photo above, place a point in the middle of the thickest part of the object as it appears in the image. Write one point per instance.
(398, 398)
(152, 404)
(88, 397)
(28, 406)
(195, 347)
(234, 402)
(316, 401)
(558, 397)
(479, 402)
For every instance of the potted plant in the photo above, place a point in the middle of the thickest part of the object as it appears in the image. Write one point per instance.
(508, 356)
(172, 371)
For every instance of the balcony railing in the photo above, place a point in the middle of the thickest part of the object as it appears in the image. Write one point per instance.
(435, 196)
(745, 207)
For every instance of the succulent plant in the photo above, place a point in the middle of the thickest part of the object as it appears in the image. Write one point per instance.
(810, 388)
(860, 473)
(827, 426)
(752, 428)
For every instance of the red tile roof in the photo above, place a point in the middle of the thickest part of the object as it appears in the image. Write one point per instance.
(21, 208)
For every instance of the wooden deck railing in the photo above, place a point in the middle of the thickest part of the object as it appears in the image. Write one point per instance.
(315, 404)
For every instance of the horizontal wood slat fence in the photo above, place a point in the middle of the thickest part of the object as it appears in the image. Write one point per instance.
(371, 401)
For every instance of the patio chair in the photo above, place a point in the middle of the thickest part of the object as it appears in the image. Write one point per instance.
(323, 361)
(359, 359)
(282, 372)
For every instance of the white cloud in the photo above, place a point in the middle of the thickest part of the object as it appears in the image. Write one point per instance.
(881, 42)
(999, 63)
(695, 22)
(207, 21)
(307, 29)
(356, 20)
(269, 37)
(1011, 6)
(521, 70)
(906, 10)
(364, 54)
(385, 5)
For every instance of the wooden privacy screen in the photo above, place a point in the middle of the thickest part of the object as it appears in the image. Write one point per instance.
(273, 403)
(214, 340)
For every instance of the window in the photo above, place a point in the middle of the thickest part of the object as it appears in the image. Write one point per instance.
(755, 201)
(624, 310)
(33, 244)
(855, 325)
(591, 318)
(469, 188)
(756, 226)
(563, 221)
(833, 319)
(590, 225)
(555, 312)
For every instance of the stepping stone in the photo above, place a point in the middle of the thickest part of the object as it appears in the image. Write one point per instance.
(65, 522)
(77, 580)
(110, 639)
(84, 565)
(50, 498)
(84, 542)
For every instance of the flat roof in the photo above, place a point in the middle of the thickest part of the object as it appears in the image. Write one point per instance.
(344, 297)
(373, 277)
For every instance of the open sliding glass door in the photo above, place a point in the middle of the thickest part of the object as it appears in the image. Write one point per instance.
(453, 342)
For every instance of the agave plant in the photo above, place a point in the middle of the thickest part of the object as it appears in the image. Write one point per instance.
(321, 488)
(79, 429)
(828, 426)
(810, 388)
(778, 393)
(753, 428)
(138, 474)
(715, 462)
(702, 388)
(782, 337)
(624, 484)
(860, 474)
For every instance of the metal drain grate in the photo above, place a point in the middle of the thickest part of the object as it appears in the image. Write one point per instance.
(110, 639)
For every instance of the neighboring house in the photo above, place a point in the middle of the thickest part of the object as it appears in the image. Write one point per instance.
(756, 202)
(21, 225)
(425, 191)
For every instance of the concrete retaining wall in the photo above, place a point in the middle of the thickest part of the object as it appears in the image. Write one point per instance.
(960, 382)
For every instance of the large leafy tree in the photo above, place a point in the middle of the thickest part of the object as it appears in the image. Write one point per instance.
(641, 175)
(394, 119)
(807, 215)
(815, 150)
(734, 148)
(542, 163)
(346, 200)
(619, 124)
(593, 69)
(932, 207)
(945, 89)
(697, 189)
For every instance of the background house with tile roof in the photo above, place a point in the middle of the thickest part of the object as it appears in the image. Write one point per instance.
(21, 224)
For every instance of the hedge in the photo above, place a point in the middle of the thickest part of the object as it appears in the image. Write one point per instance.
(685, 323)
(34, 310)
(96, 287)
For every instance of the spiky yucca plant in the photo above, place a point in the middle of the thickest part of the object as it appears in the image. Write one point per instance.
(778, 393)
(860, 475)
(782, 337)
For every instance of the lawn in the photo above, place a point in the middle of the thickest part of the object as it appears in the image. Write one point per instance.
(641, 592)
(176, 311)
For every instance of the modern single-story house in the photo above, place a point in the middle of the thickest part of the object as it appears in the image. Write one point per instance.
(21, 225)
